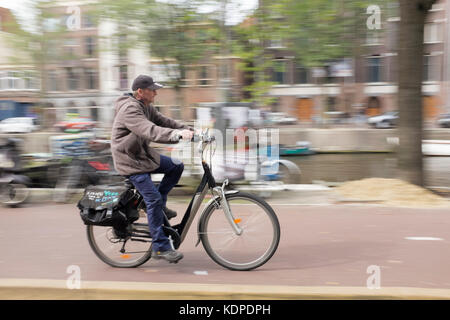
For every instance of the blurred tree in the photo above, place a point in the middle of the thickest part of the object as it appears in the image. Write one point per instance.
(176, 33)
(323, 32)
(411, 50)
(251, 38)
(39, 44)
(316, 33)
(182, 39)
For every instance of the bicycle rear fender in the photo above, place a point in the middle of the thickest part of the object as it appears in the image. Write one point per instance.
(210, 202)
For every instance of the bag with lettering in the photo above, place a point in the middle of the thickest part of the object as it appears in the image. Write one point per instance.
(112, 206)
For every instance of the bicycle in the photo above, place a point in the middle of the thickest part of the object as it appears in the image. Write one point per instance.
(239, 231)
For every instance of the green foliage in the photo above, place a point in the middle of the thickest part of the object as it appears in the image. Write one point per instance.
(314, 32)
(175, 31)
(324, 30)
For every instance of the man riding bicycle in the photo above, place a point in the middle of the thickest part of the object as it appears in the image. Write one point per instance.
(136, 124)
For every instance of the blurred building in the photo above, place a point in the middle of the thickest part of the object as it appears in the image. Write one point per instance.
(87, 68)
(73, 80)
(201, 83)
(19, 84)
(365, 84)
(92, 65)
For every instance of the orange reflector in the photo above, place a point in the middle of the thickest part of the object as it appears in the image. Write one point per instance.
(237, 220)
(125, 256)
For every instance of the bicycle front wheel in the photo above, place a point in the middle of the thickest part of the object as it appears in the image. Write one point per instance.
(254, 246)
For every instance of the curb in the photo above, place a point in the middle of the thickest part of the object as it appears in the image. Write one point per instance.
(46, 289)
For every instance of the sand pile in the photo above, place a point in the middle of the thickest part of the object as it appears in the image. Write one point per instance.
(393, 192)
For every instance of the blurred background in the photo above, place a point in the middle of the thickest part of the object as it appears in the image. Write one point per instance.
(324, 73)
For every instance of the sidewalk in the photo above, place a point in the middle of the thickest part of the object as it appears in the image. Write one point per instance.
(45, 289)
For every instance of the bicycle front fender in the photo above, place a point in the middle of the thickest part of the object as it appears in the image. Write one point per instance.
(210, 203)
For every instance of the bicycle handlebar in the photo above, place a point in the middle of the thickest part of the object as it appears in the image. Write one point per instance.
(204, 137)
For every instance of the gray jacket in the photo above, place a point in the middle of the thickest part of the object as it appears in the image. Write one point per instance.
(135, 126)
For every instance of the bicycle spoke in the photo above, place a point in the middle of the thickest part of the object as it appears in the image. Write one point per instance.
(116, 251)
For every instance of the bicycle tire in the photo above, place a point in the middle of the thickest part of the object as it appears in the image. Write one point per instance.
(233, 257)
(103, 256)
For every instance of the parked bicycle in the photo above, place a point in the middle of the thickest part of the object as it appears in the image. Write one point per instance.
(13, 183)
(238, 230)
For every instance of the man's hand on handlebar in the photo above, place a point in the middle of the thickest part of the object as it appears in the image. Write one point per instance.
(186, 135)
(189, 135)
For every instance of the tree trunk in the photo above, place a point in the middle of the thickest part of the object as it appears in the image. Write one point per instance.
(411, 32)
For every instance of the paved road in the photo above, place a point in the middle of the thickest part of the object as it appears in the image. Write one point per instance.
(321, 245)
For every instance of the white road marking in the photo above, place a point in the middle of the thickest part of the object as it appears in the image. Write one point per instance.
(424, 238)
(201, 273)
(300, 204)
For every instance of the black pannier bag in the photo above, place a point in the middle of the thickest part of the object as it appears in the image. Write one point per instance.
(111, 206)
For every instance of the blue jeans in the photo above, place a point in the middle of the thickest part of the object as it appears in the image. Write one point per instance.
(156, 198)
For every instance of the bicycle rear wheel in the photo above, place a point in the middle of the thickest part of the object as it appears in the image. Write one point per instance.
(128, 248)
(258, 241)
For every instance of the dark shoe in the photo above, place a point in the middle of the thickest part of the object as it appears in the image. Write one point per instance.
(170, 255)
(169, 213)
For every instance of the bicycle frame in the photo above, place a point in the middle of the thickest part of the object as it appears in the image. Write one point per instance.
(178, 232)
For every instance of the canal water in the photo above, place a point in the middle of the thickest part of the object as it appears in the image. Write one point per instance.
(344, 167)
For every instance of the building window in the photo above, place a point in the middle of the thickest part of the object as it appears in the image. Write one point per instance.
(393, 36)
(87, 21)
(373, 37)
(70, 46)
(89, 45)
(301, 75)
(122, 47)
(53, 83)
(393, 9)
(29, 80)
(436, 7)
(123, 77)
(72, 79)
(331, 104)
(433, 32)
(431, 70)
(279, 73)
(53, 24)
(187, 76)
(91, 79)
(3, 80)
(276, 43)
(374, 68)
(12, 80)
(204, 78)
